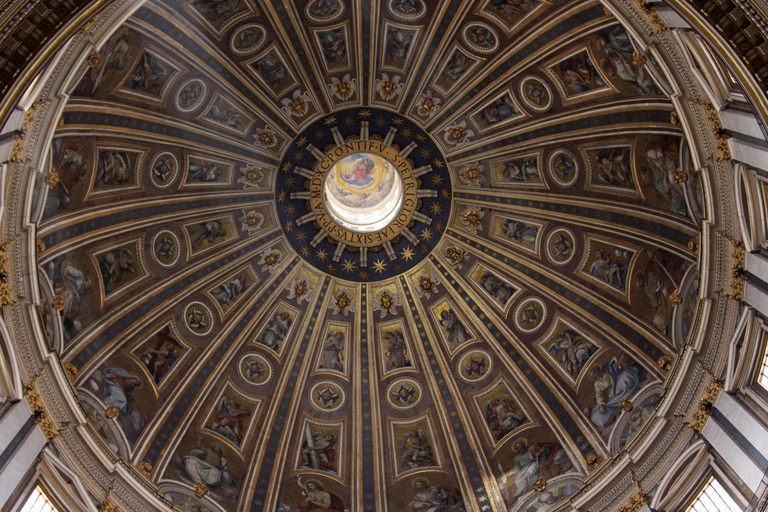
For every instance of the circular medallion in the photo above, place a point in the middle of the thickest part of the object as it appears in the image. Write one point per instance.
(475, 365)
(163, 170)
(404, 393)
(198, 318)
(191, 95)
(364, 194)
(480, 38)
(563, 168)
(536, 93)
(325, 11)
(407, 10)
(530, 314)
(561, 246)
(248, 39)
(255, 369)
(166, 248)
(327, 396)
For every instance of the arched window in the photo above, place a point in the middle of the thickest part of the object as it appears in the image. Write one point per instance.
(38, 501)
(714, 498)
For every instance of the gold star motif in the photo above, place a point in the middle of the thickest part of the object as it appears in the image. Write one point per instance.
(281, 197)
(445, 194)
(407, 133)
(287, 167)
(332, 268)
(363, 274)
(407, 253)
(330, 120)
(302, 141)
(398, 267)
(439, 226)
(424, 249)
(289, 226)
(319, 134)
(379, 122)
(301, 236)
(379, 266)
(437, 180)
(438, 163)
(291, 210)
(298, 155)
(421, 137)
(349, 266)
(290, 181)
(348, 121)
(306, 252)
(321, 254)
(425, 153)
(397, 121)
(426, 234)
(365, 113)
(437, 208)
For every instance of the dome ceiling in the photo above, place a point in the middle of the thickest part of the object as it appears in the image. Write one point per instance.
(250, 347)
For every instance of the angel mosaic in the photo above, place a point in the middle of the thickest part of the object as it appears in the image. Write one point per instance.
(572, 351)
(519, 232)
(578, 74)
(523, 169)
(501, 110)
(230, 420)
(207, 171)
(495, 287)
(73, 286)
(398, 46)
(318, 449)
(334, 350)
(226, 293)
(503, 415)
(512, 10)
(415, 450)
(117, 268)
(333, 45)
(224, 113)
(657, 281)
(532, 462)
(457, 65)
(613, 167)
(614, 382)
(619, 60)
(610, 265)
(662, 155)
(273, 71)
(160, 353)
(209, 466)
(429, 498)
(119, 385)
(276, 330)
(314, 498)
(114, 168)
(208, 233)
(149, 75)
(453, 327)
(396, 350)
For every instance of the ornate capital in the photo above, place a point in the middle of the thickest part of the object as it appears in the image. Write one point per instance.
(635, 503)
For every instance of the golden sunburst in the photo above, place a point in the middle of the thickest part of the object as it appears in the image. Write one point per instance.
(379, 266)
(436, 208)
(330, 120)
(407, 253)
(349, 266)
(321, 254)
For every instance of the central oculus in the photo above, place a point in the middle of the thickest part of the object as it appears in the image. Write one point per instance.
(363, 192)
